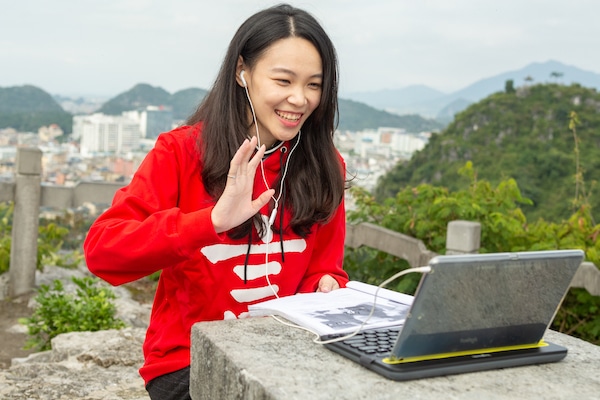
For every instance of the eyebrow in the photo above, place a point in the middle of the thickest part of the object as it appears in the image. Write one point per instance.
(289, 71)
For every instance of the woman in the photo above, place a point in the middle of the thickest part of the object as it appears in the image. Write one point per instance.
(243, 203)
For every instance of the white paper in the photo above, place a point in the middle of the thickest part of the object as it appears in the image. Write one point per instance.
(339, 311)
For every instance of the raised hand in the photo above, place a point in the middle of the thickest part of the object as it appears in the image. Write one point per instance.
(236, 204)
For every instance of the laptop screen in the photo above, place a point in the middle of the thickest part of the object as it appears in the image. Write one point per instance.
(481, 301)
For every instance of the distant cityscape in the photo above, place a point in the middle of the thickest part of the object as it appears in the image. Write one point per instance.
(109, 148)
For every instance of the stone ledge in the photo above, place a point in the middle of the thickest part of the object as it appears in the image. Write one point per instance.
(262, 359)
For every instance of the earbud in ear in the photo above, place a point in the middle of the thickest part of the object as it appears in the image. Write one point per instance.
(243, 79)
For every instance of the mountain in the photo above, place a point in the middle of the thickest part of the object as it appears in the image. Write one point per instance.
(444, 106)
(183, 103)
(26, 108)
(355, 116)
(27, 98)
(395, 100)
(140, 96)
(522, 134)
(537, 72)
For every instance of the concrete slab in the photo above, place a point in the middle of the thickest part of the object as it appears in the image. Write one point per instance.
(259, 358)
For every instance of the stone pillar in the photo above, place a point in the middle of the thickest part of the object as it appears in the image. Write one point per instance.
(23, 250)
(463, 237)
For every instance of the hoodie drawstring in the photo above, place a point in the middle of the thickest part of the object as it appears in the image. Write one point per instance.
(247, 256)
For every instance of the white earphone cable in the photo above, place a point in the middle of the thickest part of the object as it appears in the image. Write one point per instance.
(262, 169)
(317, 338)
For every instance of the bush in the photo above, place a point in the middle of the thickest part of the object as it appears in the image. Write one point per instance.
(50, 240)
(6, 212)
(89, 309)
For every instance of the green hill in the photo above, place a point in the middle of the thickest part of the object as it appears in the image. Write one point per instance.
(139, 96)
(26, 108)
(355, 116)
(183, 103)
(522, 134)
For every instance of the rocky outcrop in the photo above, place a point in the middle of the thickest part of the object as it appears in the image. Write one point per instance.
(81, 365)
(99, 365)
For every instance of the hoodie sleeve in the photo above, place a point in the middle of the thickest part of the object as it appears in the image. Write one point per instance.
(144, 230)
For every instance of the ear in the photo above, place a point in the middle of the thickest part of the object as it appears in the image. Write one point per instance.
(238, 69)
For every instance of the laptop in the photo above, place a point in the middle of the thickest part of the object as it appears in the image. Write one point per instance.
(471, 313)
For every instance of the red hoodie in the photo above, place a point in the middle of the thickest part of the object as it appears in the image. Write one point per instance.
(161, 221)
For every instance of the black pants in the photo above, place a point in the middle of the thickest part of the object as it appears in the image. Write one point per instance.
(173, 386)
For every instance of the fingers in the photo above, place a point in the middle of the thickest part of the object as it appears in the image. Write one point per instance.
(327, 284)
(243, 163)
(236, 204)
(263, 199)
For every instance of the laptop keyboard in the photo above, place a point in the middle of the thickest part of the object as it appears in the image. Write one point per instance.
(376, 342)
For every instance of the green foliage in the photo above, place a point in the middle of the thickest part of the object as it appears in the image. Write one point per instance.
(74, 224)
(519, 143)
(6, 213)
(27, 98)
(31, 121)
(50, 243)
(424, 211)
(183, 102)
(367, 265)
(89, 309)
(509, 86)
(520, 135)
(579, 316)
(141, 95)
(26, 108)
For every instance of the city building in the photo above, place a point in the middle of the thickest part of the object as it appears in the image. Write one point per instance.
(50, 132)
(371, 153)
(106, 134)
(153, 120)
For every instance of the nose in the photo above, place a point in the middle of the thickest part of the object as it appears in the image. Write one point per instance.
(297, 96)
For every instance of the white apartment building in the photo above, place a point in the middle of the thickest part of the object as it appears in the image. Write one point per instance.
(389, 142)
(106, 134)
(153, 120)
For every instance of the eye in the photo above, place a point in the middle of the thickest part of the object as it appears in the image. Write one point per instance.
(284, 81)
(315, 85)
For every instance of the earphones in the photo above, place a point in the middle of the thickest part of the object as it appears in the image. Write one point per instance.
(262, 169)
(243, 79)
(276, 200)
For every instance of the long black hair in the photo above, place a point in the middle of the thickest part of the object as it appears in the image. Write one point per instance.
(315, 185)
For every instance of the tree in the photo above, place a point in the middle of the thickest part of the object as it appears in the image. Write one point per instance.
(556, 75)
(509, 86)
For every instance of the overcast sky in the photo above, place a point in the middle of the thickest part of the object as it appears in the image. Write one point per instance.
(105, 47)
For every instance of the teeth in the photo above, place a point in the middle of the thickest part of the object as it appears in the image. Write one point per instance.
(289, 117)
